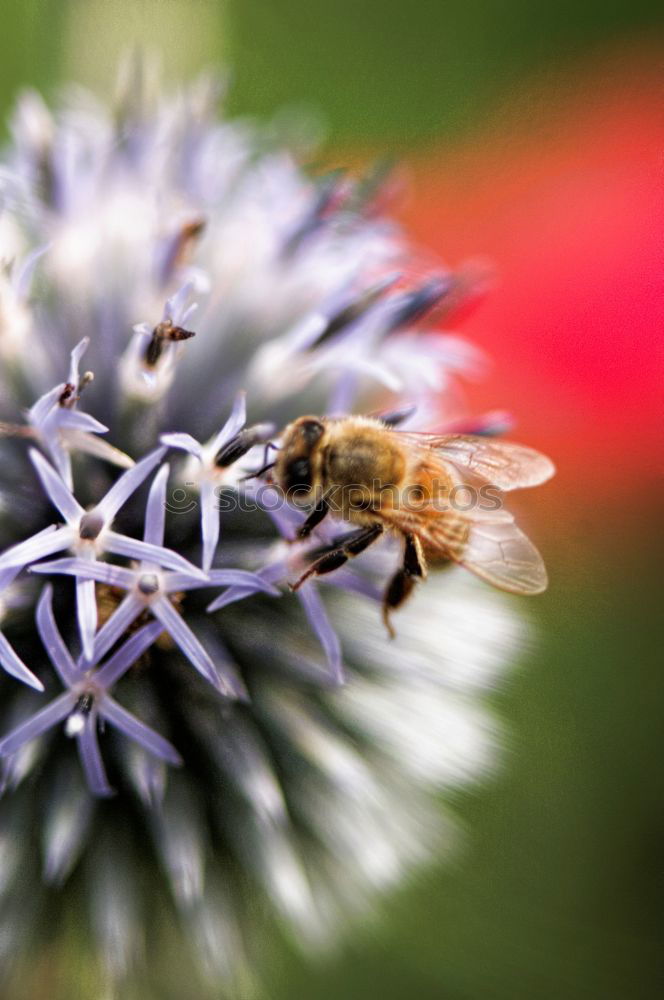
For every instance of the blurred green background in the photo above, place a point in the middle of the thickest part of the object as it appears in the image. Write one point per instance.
(381, 71)
(560, 892)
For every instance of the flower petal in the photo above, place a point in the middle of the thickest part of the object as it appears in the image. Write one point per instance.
(184, 442)
(209, 522)
(77, 421)
(40, 410)
(89, 569)
(242, 584)
(132, 548)
(353, 581)
(137, 731)
(36, 724)
(128, 483)
(60, 458)
(127, 655)
(45, 543)
(125, 615)
(49, 634)
(241, 578)
(175, 305)
(86, 613)
(89, 444)
(185, 639)
(14, 665)
(93, 765)
(155, 511)
(229, 596)
(315, 611)
(57, 492)
(75, 361)
(183, 581)
(26, 269)
(235, 423)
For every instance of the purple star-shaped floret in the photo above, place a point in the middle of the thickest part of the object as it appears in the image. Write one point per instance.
(88, 534)
(149, 586)
(61, 427)
(86, 699)
(212, 459)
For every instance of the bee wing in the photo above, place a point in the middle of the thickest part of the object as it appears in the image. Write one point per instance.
(506, 465)
(485, 541)
(492, 547)
(499, 552)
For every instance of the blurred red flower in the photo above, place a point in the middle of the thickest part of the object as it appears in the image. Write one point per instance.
(568, 205)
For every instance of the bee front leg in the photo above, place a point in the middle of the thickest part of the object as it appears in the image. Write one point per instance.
(414, 568)
(335, 557)
(313, 519)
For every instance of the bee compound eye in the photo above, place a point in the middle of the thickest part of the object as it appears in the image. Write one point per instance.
(299, 473)
(311, 430)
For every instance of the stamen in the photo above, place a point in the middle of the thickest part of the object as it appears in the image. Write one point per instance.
(418, 302)
(76, 721)
(327, 198)
(351, 312)
(66, 396)
(180, 247)
(85, 703)
(71, 394)
(162, 334)
(90, 526)
(148, 584)
(241, 444)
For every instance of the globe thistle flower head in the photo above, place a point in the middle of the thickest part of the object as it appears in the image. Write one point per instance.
(236, 742)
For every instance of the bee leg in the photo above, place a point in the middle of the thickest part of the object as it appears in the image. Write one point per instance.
(313, 519)
(402, 583)
(337, 556)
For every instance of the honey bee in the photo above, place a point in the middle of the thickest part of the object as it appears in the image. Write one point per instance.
(441, 494)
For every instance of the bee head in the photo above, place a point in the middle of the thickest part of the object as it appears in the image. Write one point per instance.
(294, 470)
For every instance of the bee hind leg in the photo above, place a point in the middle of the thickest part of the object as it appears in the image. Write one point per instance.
(335, 557)
(402, 583)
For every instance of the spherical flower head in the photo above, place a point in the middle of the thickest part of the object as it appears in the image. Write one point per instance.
(173, 284)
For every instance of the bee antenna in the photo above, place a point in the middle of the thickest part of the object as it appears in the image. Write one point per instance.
(266, 465)
(260, 472)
